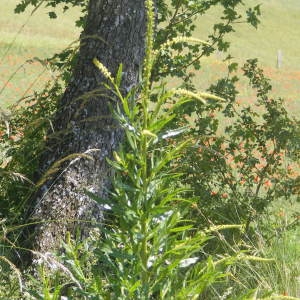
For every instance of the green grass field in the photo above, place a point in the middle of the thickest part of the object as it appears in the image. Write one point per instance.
(23, 37)
(279, 30)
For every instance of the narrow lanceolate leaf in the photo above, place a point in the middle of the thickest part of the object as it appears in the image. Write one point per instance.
(169, 156)
(149, 133)
(188, 262)
(115, 165)
(160, 102)
(117, 157)
(131, 141)
(158, 125)
(119, 76)
(181, 228)
(174, 132)
(180, 103)
(106, 203)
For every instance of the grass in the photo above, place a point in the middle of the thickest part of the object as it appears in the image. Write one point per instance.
(279, 30)
(282, 275)
(24, 37)
(42, 37)
(284, 247)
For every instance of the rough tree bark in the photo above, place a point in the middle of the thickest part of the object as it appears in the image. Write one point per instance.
(114, 34)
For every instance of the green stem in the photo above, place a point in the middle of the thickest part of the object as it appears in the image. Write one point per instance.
(144, 257)
(144, 217)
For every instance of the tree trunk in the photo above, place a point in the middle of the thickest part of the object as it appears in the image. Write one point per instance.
(114, 34)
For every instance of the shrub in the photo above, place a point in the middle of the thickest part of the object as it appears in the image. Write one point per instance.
(242, 159)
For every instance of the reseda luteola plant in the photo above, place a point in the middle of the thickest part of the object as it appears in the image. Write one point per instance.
(150, 249)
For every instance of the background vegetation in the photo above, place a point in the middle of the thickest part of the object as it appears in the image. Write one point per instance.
(41, 38)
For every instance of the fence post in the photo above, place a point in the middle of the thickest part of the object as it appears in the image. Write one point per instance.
(279, 59)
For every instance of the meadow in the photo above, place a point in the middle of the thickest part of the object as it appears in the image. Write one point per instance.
(279, 31)
(27, 40)
(25, 37)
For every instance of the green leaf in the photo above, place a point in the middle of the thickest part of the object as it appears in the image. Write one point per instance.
(158, 125)
(97, 198)
(133, 288)
(181, 228)
(115, 165)
(52, 15)
(173, 132)
(232, 67)
(119, 76)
